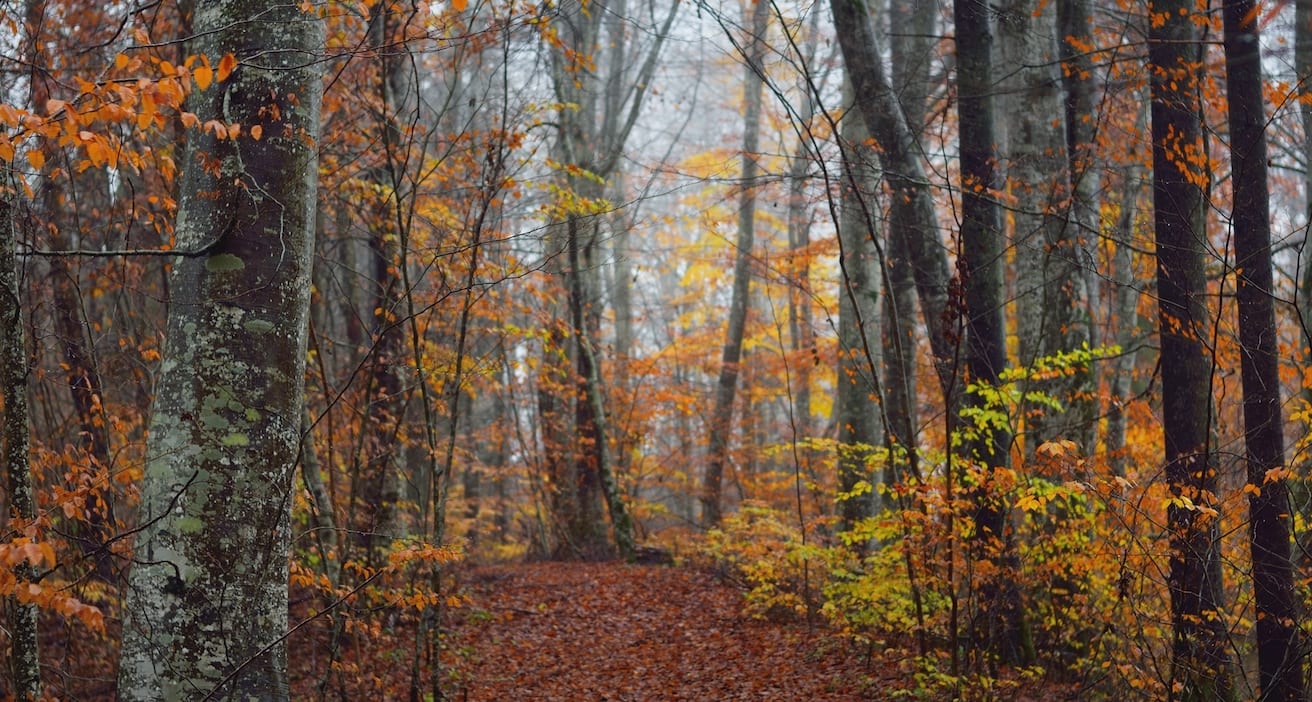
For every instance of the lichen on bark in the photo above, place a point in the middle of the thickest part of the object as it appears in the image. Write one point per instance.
(206, 607)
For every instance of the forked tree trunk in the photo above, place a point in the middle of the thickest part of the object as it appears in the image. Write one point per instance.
(206, 606)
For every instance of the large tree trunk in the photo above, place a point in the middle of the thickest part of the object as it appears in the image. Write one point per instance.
(1280, 660)
(856, 408)
(726, 389)
(1200, 660)
(206, 607)
(980, 267)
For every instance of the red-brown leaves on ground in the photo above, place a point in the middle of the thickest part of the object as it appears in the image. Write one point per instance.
(582, 631)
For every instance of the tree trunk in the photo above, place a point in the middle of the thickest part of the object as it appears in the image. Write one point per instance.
(727, 387)
(980, 266)
(911, 26)
(1280, 660)
(206, 607)
(24, 662)
(1200, 658)
(912, 202)
(1052, 305)
(856, 408)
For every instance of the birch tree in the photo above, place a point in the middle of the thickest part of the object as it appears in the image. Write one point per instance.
(206, 606)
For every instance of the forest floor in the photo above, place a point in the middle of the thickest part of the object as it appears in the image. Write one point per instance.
(607, 631)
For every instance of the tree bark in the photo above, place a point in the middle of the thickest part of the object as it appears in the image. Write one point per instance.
(1200, 658)
(1052, 296)
(24, 661)
(911, 26)
(980, 270)
(911, 205)
(856, 408)
(1280, 660)
(206, 607)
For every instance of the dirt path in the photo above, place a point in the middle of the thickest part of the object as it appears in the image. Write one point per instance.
(582, 632)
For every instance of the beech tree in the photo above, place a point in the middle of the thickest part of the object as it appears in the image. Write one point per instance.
(1201, 661)
(206, 609)
(1280, 658)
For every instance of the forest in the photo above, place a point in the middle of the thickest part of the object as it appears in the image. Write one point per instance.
(656, 349)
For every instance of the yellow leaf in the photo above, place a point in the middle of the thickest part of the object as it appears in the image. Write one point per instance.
(204, 75)
(226, 66)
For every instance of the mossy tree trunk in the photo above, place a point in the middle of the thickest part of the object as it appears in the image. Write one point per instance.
(207, 594)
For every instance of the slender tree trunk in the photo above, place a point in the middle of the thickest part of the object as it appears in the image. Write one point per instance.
(206, 608)
(1052, 312)
(911, 204)
(911, 25)
(980, 269)
(726, 389)
(24, 662)
(1280, 660)
(1200, 653)
(1125, 310)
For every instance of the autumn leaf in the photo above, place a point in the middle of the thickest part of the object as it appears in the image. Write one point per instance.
(226, 65)
(256, 132)
(203, 75)
(36, 159)
(459, 5)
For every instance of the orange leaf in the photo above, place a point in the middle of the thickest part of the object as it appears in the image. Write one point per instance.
(226, 66)
(459, 5)
(203, 75)
(189, 119)
(256, 132)
(36, 159)
(121, 61)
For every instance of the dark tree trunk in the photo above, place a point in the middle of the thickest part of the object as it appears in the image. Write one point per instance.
(980, 270)
(1279, 659)
(1200, 657)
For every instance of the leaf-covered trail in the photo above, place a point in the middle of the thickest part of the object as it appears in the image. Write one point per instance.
(589, 631)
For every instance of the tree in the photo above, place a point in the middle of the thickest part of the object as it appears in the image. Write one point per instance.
(24, 663)
(1051, 310)
(206, 608)
(856, 405)
(980, 270)
(911, 25)
(1280, 660)
(596, 118)
(1200, 658)
(911, 203)
(720, 425)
